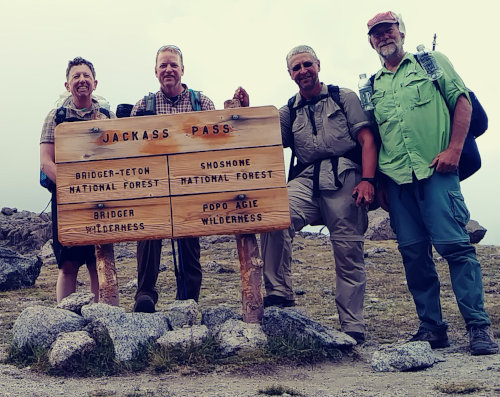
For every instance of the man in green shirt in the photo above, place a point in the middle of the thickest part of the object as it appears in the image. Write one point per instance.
(419, 156)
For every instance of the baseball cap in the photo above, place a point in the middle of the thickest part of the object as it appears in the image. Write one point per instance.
(386, 17)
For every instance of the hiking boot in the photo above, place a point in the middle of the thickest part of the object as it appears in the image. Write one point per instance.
(481, 341)
(359, 337)
(437, 339)
(279, 301)
(144, 304)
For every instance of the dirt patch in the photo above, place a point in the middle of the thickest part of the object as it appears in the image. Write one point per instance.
(390, 317)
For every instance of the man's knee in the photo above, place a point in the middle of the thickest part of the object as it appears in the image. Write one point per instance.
(70, 268)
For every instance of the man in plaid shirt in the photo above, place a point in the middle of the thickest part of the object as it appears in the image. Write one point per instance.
(173, 97)
(79, 106)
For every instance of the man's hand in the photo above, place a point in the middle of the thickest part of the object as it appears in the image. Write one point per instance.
(363, 193)
(241, 95)
(446, 161)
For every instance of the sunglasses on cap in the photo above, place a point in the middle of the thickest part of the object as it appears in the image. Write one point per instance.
(306, 64)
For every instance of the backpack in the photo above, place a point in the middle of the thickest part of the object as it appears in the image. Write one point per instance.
(150, 99)
(353, 154)
(61, 118)
(470, 159)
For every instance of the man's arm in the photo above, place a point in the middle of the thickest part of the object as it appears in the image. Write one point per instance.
(447, 160)
(47, 160)
(365, 190)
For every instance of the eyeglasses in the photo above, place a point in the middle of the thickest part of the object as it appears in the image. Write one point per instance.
(306, 65)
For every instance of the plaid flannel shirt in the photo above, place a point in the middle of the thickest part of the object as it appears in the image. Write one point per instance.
(49, 124)
(183, 103)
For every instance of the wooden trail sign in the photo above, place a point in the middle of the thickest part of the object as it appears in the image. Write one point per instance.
(169, 176)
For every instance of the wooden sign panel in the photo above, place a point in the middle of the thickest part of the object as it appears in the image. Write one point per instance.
(169, 176)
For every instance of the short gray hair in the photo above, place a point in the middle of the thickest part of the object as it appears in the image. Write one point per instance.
(300, 49)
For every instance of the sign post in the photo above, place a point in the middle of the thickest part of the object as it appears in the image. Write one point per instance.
(170, 176)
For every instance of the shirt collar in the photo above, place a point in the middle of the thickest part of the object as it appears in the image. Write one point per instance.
(71, 105)
(408, 57)
(183, 92)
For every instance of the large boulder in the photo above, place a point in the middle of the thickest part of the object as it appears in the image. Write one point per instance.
(24, 231)
(38, 326)
(129, 332)
(476, 231)
(379, 227)
(292, 324)
(17, 271)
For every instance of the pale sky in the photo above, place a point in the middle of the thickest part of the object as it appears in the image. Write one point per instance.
(225, 44)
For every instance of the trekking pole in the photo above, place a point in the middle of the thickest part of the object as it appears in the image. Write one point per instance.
(179, 272)
(434, 43)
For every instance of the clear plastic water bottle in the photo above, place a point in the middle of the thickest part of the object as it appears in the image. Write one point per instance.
(429, 63)
(365, 92)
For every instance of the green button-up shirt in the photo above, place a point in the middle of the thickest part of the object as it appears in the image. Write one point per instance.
(413, 117)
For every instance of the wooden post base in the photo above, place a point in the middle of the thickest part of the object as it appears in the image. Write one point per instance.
(251, 278)
(106, 272)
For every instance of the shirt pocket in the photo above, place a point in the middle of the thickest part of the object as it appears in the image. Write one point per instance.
(303, 137)
(383, 109)
(417, 89)
(337, 137)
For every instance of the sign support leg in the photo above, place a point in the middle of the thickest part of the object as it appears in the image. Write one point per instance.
(250, 266)
(106, 273)
(251, 277)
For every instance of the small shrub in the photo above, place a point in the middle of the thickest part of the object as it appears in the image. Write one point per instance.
(302, 350)
(278, 390)
(465, 387)
(203, 357)
(33, 356)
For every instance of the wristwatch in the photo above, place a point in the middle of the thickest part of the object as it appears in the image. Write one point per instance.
(371, 180)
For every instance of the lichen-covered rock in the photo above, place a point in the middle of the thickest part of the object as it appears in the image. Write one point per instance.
(24, 231)
(76, 301)
(236, 336)
(184, 337)
(214, 317)
(38, 326)
(410, 356)
(17, 271)
(182, 313)
(129, 332)
(69, 345)
(290, 323)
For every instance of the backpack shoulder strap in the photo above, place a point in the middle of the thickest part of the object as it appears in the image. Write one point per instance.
(60, 115)
(334, 92)
(292, 109)
(436, 84)
(195, 98)
(150, 100)
(105, 112)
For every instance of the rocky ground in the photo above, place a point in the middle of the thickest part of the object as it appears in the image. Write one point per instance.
(389, 313)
